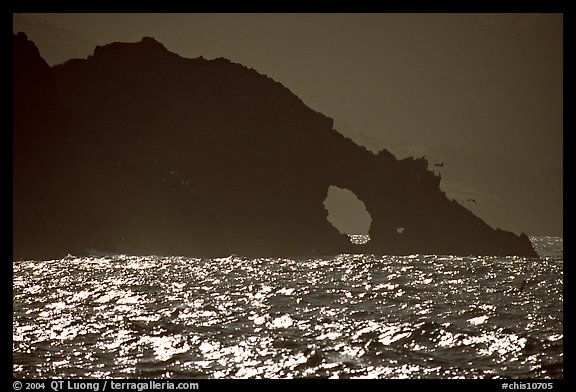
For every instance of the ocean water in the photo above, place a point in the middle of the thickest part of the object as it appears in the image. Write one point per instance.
(349, 316)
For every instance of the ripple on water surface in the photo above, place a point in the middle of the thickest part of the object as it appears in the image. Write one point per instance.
(418, 316)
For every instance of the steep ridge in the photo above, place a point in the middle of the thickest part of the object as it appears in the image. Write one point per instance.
(204, 157)
(74, 191)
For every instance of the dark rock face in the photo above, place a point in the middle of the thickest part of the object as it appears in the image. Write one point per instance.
(137, 149)
(74, 190)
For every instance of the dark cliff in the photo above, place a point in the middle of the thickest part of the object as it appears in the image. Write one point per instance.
(73, 190)
(137, 149)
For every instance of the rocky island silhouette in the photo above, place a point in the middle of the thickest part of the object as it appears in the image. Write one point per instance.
(139, 150)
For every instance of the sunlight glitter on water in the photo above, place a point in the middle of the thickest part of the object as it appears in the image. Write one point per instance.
(346, 316)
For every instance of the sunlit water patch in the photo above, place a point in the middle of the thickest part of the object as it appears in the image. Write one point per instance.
(349, 316)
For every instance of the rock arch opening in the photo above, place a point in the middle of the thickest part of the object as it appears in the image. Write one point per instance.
(348, 214)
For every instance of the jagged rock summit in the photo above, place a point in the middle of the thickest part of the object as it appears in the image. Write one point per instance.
(139, 150)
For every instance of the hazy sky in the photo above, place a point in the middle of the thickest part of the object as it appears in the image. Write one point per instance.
(488, 82)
